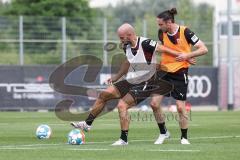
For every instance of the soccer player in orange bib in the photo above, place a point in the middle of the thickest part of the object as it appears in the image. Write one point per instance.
(175, 69)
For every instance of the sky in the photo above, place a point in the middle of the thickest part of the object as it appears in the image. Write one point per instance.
(100, 3)
(5, 0)
(220, 4)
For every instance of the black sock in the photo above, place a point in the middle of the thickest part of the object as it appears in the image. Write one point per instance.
(162, 128)
(90, 119)
(184, 133)
(124, 135)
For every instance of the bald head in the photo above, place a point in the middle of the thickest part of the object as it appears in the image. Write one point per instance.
(126, 28)
(126, 33)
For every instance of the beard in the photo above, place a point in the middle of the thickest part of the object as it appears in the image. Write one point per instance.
(123, 45)
(127, 43)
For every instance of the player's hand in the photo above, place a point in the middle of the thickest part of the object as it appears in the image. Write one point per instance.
(109, 81)
(192, 61)
(182, 57)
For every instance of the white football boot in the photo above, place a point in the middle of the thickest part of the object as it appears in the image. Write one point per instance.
(120, 142)
(162, 138)
(184, 141)
(81, 125)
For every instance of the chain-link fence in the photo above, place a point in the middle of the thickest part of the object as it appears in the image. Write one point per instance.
(53, 40)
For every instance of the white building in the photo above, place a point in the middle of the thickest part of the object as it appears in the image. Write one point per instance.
(221, 50)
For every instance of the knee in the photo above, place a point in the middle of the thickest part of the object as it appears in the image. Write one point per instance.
(180, 109)
(122, 106)
(122, 109)
(182, 112)
(154, 105)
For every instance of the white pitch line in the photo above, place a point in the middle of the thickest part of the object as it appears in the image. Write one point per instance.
(29, 145)
(195, 138)
(88, 149)
(173, 150)
(95, 149)
(106, 142)
(216, 137)
(18, 148)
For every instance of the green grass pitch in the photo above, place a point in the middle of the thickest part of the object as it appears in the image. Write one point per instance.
(213, 136)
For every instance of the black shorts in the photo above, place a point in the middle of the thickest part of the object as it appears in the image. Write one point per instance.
(145, 89)
(179, 80)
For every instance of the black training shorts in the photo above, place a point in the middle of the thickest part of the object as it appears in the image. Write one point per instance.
(179, 80)
(145, 89)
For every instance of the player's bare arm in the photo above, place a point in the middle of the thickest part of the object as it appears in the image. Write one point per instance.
(201, 50)
(122, 71)
(161, 48)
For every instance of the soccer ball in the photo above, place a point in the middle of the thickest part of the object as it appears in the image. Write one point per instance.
(43, 132)
(76, 137)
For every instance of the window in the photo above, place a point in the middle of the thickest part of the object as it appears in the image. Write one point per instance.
(224, 30)
(236, 29)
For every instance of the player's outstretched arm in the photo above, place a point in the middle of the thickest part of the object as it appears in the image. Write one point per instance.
(161, 48)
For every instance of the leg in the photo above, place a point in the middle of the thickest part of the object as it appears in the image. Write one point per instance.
(164, 89)
(183, 120)
(157, 110)
(160, 118)
(180, 81)
(110, 93)
(118, 90)
(124, 104)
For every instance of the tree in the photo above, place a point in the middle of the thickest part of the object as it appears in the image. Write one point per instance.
(48, 10)
(52, 8)
(42, 20)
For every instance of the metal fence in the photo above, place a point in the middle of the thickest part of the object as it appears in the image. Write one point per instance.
(53, 40)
